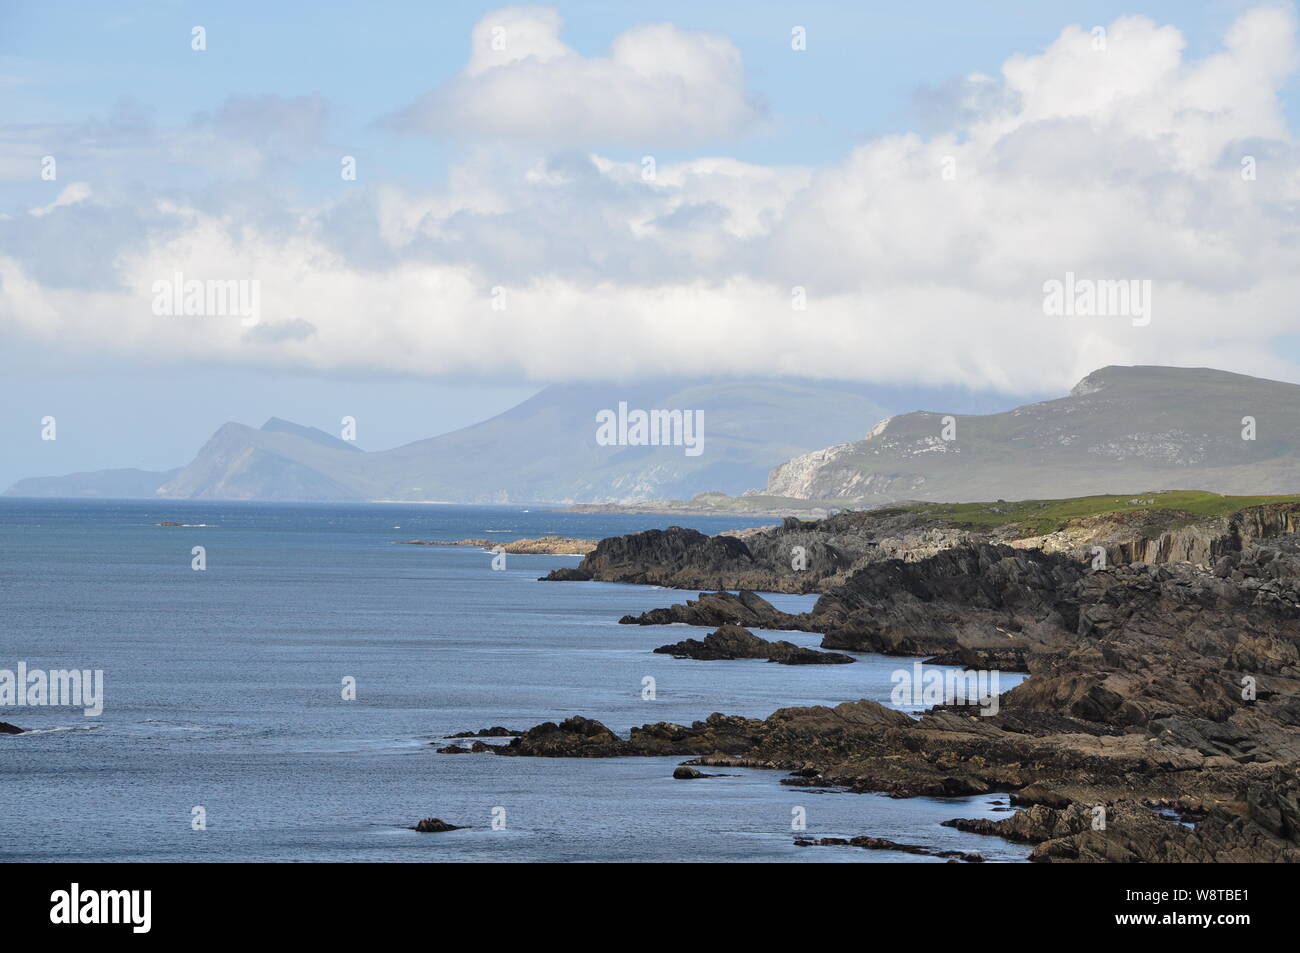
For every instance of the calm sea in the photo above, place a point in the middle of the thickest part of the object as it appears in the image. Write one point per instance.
(223, 690)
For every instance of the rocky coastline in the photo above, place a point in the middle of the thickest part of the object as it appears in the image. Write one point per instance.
(1160, 721)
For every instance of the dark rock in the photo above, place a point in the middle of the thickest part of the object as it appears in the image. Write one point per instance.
(764, 559)
(683, 773)
(477, 747)
(567, 574)
(575, 737)
(662, 557)
(880, 843)
(971, 596)
(8, 729)
(733, 642)
(1156, 691)
(721, 608)
(494, 732)
(988, 657)
(435, 825)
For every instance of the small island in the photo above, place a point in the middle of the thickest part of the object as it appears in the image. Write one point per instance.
(540, 546)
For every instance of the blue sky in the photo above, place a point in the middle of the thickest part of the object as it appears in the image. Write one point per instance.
(869, 62)
(172, 158)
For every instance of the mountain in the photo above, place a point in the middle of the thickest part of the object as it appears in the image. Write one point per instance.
(1121, 430)
(542, 450)
(102, 484)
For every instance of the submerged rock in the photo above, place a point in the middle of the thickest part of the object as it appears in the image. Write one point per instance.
(477, 747)
(880, 843)
(496, 731)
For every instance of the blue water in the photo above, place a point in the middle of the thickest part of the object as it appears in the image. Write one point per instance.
(223, 690)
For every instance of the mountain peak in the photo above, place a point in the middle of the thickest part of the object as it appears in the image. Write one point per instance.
(314, 434)
(1094, 382)
(1152, 427)
(1155, 375)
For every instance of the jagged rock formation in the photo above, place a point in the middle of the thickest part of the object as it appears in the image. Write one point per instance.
(1266, 828)
(817, 555)
(1152, 689)
(744, 608)
(666, 557)
(797, 556)
(977, 595)
(733, 642)
(496, 731)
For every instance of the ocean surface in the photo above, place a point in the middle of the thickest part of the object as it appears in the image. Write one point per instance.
(223, 690)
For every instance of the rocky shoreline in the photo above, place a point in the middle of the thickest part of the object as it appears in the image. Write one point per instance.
(815, 555)
(1160, 721)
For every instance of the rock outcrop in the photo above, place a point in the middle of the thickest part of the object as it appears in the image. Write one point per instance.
(732, 642)
(672, 557)
(496, 731)
(1167, 696)
(973, 594)
(815, 556)
(435, 825)
(881, 843)
(744, 608)
(797, 556)
(478, 747)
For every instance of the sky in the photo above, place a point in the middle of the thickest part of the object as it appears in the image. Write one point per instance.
(596, 191)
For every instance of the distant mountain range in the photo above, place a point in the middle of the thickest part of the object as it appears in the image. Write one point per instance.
(543, 450)
(1121, 430)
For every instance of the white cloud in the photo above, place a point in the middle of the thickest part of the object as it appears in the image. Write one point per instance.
(1120, 164)
(658, 84)
(71, 195)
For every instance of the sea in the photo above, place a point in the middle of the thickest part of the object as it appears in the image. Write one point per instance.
(283, 702)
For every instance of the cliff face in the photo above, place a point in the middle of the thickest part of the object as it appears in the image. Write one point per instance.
(796, 556)
(1200, 542)
(1154, 427)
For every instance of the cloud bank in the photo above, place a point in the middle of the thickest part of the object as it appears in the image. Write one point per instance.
(918, 259)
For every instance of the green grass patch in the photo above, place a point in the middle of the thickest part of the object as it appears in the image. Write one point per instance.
(1040, 517)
